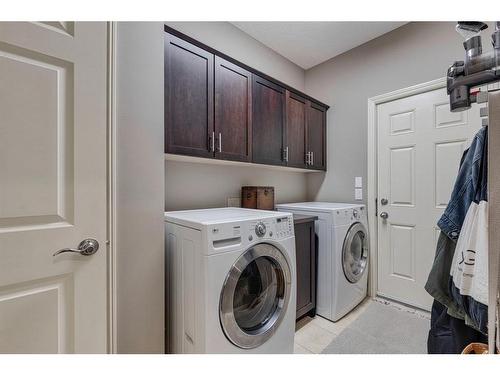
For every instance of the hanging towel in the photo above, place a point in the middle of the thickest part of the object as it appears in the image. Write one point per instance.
(469, 270)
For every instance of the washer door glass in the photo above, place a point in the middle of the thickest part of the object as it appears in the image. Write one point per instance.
(255, 296)
(355, 253)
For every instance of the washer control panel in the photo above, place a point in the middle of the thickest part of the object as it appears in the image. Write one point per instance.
(276, 228)
(284, 227)
(229, 236)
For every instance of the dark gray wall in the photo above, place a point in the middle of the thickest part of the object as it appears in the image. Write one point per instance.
(140, 188)
(415, 53)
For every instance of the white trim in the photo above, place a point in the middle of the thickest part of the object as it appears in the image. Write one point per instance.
(111, 177)
(372, 166)
(493, 218)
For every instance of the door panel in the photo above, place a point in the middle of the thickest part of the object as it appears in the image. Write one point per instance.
(296, 109)
(305, 260)
(268, 134)
(402, 251)
(420, 143)
(40, 156)
(316, 136)
(324, 285)
(233, 111)
(189, 98)
(52, 187)
(402, 176)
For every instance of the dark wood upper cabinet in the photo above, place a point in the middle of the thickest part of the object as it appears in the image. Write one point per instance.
(268, 122)
(316, 136)
(217, 107)
(189, 98)
(233, 111)
(296, 111)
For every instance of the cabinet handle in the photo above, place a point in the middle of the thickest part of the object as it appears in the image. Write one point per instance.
(220, 142)
(308, 158)
(285, 152)
(312, 158)
(212, 142)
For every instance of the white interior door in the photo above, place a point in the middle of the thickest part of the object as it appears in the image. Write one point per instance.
(52, 187)
(420, 143)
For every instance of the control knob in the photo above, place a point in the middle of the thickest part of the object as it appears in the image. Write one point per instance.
(260, 229)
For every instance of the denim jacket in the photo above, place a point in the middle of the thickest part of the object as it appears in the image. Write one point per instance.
(466, 188)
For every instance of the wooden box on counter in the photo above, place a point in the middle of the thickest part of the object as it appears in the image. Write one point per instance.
(258, 197)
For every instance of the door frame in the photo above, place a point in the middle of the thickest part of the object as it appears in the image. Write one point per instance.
(112, 346)
(372, 159)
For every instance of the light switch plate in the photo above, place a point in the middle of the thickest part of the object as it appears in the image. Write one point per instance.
(358, 194)
(358, 182)
(233, 202)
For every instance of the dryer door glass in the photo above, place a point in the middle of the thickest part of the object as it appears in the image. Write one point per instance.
(255, 295)
(355, 253)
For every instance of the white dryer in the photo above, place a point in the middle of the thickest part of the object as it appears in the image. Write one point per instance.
(230, 281)
(343, 249)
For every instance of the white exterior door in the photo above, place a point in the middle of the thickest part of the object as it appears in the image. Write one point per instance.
(52, 187)
(420, 143)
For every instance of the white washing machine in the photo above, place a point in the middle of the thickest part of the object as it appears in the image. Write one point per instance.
(230, 281)
(343, 249)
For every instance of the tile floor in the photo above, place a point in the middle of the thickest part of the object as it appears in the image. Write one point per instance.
(313, 335)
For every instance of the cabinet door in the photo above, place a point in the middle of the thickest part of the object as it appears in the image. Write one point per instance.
(306, 267)
(296, 110)
(233, 111)
(189, 98)
(268, 125)
(316, 136)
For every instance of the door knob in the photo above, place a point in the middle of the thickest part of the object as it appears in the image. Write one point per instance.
(384, 215)
(86, 247)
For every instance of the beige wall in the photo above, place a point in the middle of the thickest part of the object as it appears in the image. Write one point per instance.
(412, 54)
(190, 185)
(228, 39)
(140, 189)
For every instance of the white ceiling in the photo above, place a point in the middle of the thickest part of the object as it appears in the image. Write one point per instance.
(310, 43)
